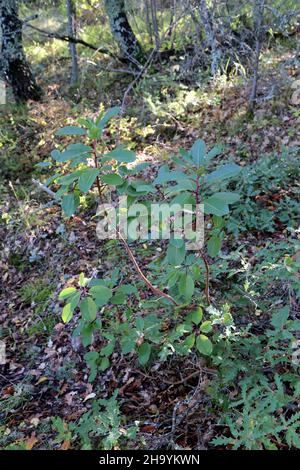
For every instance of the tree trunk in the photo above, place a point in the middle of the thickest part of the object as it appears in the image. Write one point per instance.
(258, 16)
(207, 20)
(155, 23)
(72, 46)
(122, 31)
(14, 67)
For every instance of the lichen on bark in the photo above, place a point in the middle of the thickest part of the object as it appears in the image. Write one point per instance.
(122, 31)
(14, 68)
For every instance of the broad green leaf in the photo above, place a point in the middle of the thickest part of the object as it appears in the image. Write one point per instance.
(144, 352)
(176, 254)
(214, 245)
(195, 316)
(184, 198)
(198, 152)
(74, 300)
(216, 150)
(127, 344)
(113, 179)
(206, 326)
(218, 221)
(104, 364)
(91, 360)
(128, 289)
(204, 345)
(101, 294)
(173, 278)
(94, 132)
(143, 187)
(118, 298)
(226, 171)
(88, 309)
(66, 180)
(86, 334)
(72, 152)
(280, 317)
(91, 356)
(110, 113)
(56, 155)
(67, 313)
(71, 130)
(87, 179)
(183, 185)
(121, 155)
(108, 349)
(69, 204)
(67, 292)
(186, 285)
(189, 341)
(213, 205)
(86, 122)
(184, 328)
(178, 242)
(228, 198)
(165, 175)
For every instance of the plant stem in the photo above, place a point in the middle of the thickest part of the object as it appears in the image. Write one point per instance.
(94, 144)
(203, 256)
(154, 289)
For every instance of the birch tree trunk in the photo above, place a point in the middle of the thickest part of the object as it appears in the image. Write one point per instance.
(71, 12)
(14, 68)
(210, 34)
(122, 31)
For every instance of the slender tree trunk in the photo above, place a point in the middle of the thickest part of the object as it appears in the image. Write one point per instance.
(207, 20)
(122, 31)
(14, 67)
(148, 21)
(71, 11)
(155, 23)
(258, 15)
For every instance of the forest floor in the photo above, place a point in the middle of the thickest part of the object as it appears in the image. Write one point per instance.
(45, 375)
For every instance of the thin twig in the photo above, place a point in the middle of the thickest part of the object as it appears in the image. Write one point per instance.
(71, 39)
(43, 188)
(154, 289)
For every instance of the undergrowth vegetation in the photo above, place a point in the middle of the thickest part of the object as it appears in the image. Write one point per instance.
(146, 335)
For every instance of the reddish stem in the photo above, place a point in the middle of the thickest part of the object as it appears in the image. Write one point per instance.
(94, 144)
(154, 289)
(203, 256)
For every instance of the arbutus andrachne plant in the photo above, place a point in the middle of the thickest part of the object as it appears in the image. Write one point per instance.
(185, 182)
